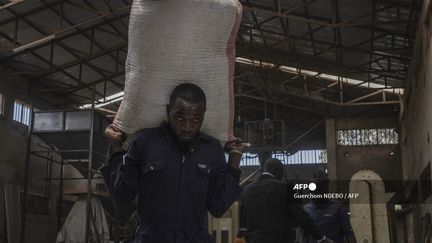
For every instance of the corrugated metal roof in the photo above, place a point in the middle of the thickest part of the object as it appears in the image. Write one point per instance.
(356, 23)
(308, 41)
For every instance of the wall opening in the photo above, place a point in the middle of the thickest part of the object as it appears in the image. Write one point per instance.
(21, 112)
(363, 137)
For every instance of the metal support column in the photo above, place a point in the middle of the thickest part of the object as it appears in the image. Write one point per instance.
(27, 162)
(90, 172)
(60, 201)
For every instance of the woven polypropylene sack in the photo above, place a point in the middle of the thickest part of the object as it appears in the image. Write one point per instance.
(172, 42)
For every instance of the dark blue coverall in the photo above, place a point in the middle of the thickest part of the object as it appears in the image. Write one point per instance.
(175, 185)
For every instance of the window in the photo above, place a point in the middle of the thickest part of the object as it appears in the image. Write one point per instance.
(2, 101)
(363, 137)
(21, 112)
(318, 156)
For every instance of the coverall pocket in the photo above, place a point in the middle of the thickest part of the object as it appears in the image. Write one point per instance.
(204, 172)
(204, 168)
(153, 166)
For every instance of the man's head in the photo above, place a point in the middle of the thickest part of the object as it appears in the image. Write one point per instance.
(274, 167)
(321, 180)
(186, 111)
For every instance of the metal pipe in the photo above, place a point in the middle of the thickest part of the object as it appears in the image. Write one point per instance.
(43, 157)
(106, 110)
(304, 134)
(60, 131)
(50, 176)
(27, 163)
(90, 173)
(250, 176)
(70, 178)
(61, 151)
(60, 203)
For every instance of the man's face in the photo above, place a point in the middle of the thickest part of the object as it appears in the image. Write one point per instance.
(185, 119)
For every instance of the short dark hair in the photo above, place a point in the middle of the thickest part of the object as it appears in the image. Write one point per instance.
(321, 180)
(188, 92)
(320, 175)
(273, 166)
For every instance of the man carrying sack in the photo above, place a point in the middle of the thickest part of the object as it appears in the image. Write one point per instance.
(177, 172)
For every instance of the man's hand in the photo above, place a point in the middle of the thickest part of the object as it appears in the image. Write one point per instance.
(327, 241)
(115, 136)
(305, 240)
(235, 150)
(236, 145)
(351, 239)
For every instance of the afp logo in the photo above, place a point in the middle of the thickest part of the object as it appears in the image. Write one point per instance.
(311, 186)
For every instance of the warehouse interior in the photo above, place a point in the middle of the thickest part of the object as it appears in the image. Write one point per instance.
(334, 84)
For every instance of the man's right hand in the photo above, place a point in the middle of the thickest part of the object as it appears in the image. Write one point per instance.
(115, 136)
(305, 240)
(327, 241)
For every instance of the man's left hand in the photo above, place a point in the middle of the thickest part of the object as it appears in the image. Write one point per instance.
(236, 145)
(235, 150)
(327, 241)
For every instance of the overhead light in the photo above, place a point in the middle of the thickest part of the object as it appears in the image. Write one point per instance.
(33, 44)
(105, 101)
(10, 3)
(398, 207)
(315, 74)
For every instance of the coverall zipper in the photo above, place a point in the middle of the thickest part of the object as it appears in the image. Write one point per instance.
(183, 160)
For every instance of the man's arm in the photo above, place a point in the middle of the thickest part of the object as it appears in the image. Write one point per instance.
(351, 239)
(235, 151)
(301, 218)
(122, 172)
(224, 183)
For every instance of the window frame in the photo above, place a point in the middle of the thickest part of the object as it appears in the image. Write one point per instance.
(25, 112)
(367, 137)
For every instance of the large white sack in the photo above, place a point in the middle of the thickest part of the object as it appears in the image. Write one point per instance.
(74, 227)
(177, 41)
